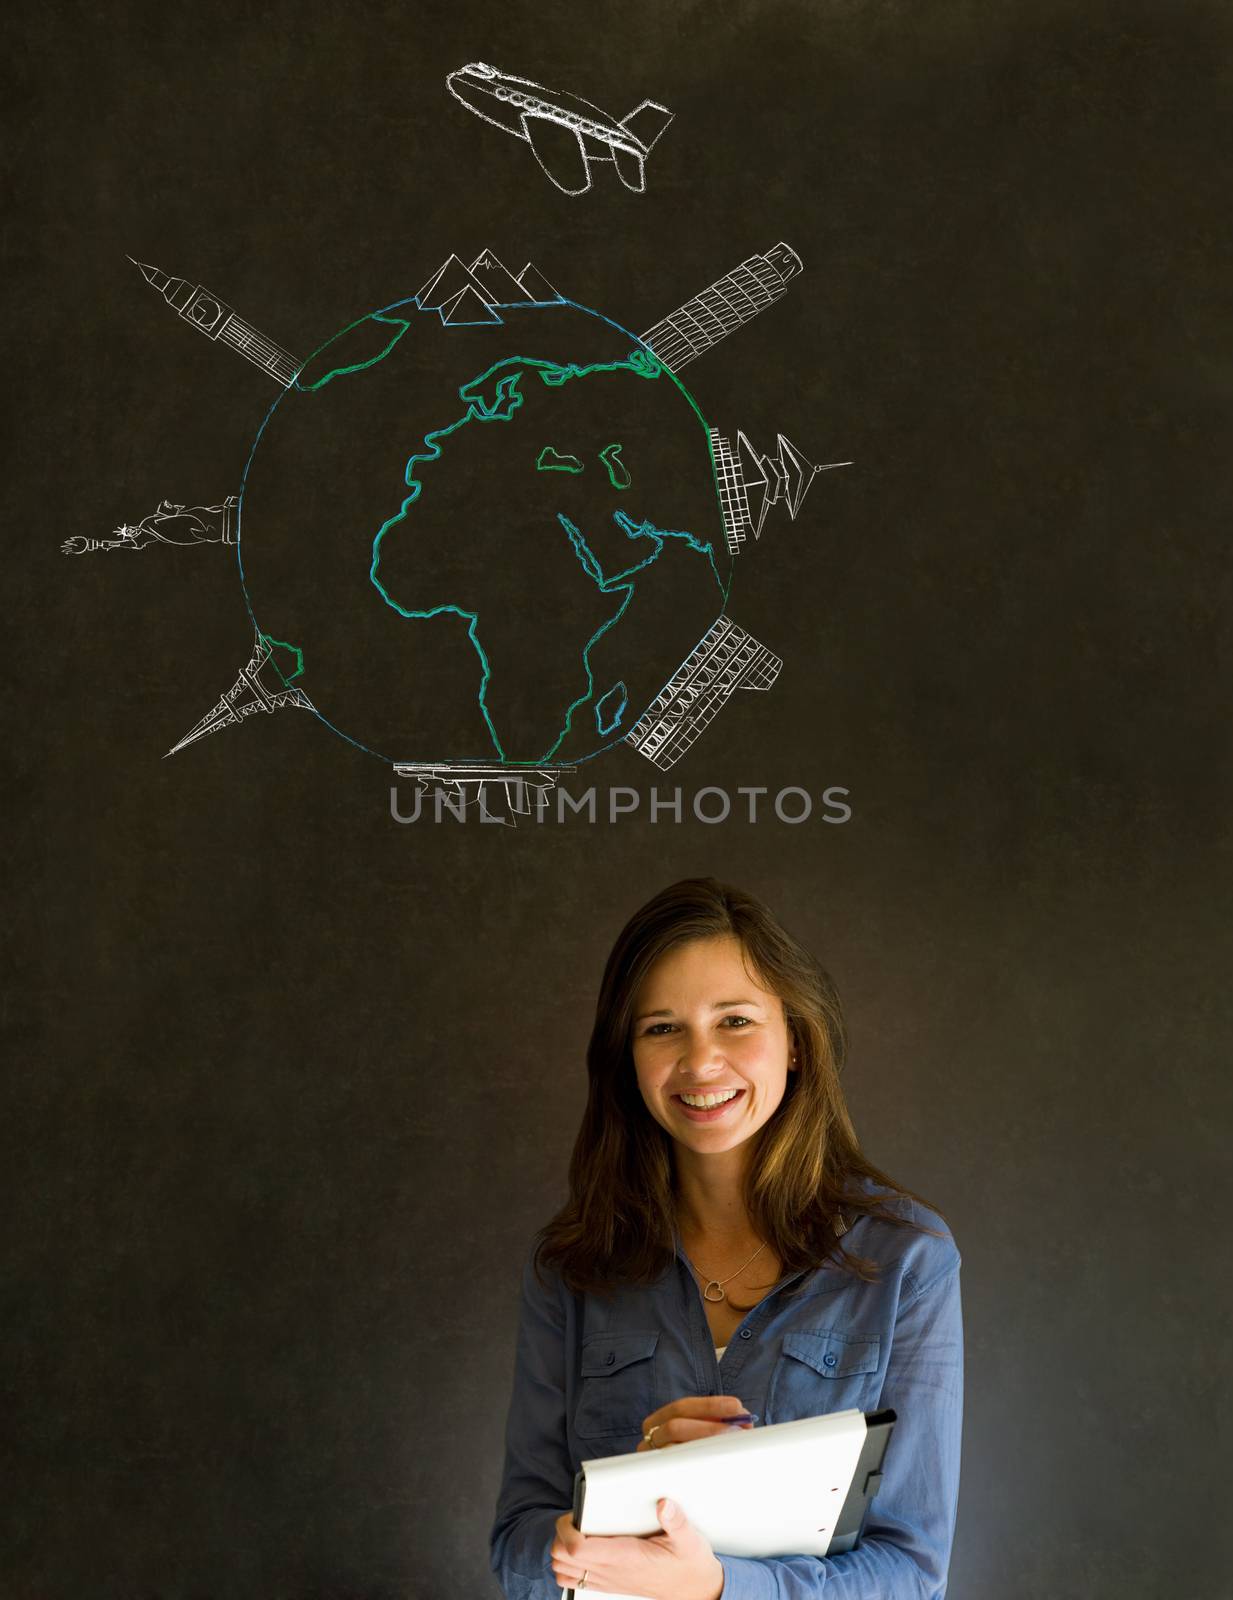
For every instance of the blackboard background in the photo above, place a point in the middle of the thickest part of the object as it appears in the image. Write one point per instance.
(293, 1085)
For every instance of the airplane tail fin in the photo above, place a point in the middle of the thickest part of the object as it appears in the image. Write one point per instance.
(646, 122)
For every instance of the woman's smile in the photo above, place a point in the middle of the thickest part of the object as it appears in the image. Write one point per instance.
(709, 1105)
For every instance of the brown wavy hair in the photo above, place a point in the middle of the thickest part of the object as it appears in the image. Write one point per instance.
(807, 1181)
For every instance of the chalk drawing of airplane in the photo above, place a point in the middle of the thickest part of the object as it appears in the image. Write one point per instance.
(566, 133)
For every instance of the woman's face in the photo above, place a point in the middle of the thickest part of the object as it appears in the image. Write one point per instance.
(703, 1027)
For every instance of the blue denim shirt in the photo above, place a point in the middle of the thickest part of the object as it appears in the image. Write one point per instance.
(587, 1371)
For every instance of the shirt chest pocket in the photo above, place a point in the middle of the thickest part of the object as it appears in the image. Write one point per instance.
(821, 1370)
(617, 1387)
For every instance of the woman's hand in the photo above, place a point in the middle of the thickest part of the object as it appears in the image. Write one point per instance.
(677, 1564)
(694, 1417)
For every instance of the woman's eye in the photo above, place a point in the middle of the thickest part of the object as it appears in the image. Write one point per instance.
(656, 1026)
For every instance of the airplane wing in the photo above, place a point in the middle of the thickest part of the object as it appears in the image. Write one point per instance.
(630, 169)
(560, 152)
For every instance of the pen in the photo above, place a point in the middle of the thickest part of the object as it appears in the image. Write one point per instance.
(741, 1417)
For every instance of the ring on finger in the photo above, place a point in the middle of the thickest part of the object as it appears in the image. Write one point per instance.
(582, 1582)
(648, 1437)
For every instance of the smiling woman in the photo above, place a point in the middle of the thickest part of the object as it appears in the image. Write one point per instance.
(710, 1061)
(726, 1252)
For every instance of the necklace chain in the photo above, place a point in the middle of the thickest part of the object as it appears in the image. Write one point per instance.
(840, 1227)
(718, 1283)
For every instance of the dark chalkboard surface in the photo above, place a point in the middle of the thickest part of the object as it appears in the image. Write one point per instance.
(293, 1082)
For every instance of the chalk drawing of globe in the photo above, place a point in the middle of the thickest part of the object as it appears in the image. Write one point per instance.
(488, 541)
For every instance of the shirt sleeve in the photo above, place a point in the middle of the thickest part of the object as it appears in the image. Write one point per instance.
(537, 1483)
(904, 1551)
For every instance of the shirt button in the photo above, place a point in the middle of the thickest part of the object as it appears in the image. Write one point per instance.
(745, 1334)
(611, 1357)
(829, 1359)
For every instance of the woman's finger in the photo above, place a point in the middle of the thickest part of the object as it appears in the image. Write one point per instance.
(679, 1430)
(695, 1405)
(569, 1539)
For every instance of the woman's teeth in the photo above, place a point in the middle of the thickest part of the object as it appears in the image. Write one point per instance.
(703, 1101)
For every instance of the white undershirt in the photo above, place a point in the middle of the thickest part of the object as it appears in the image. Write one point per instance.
(719, 1350)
